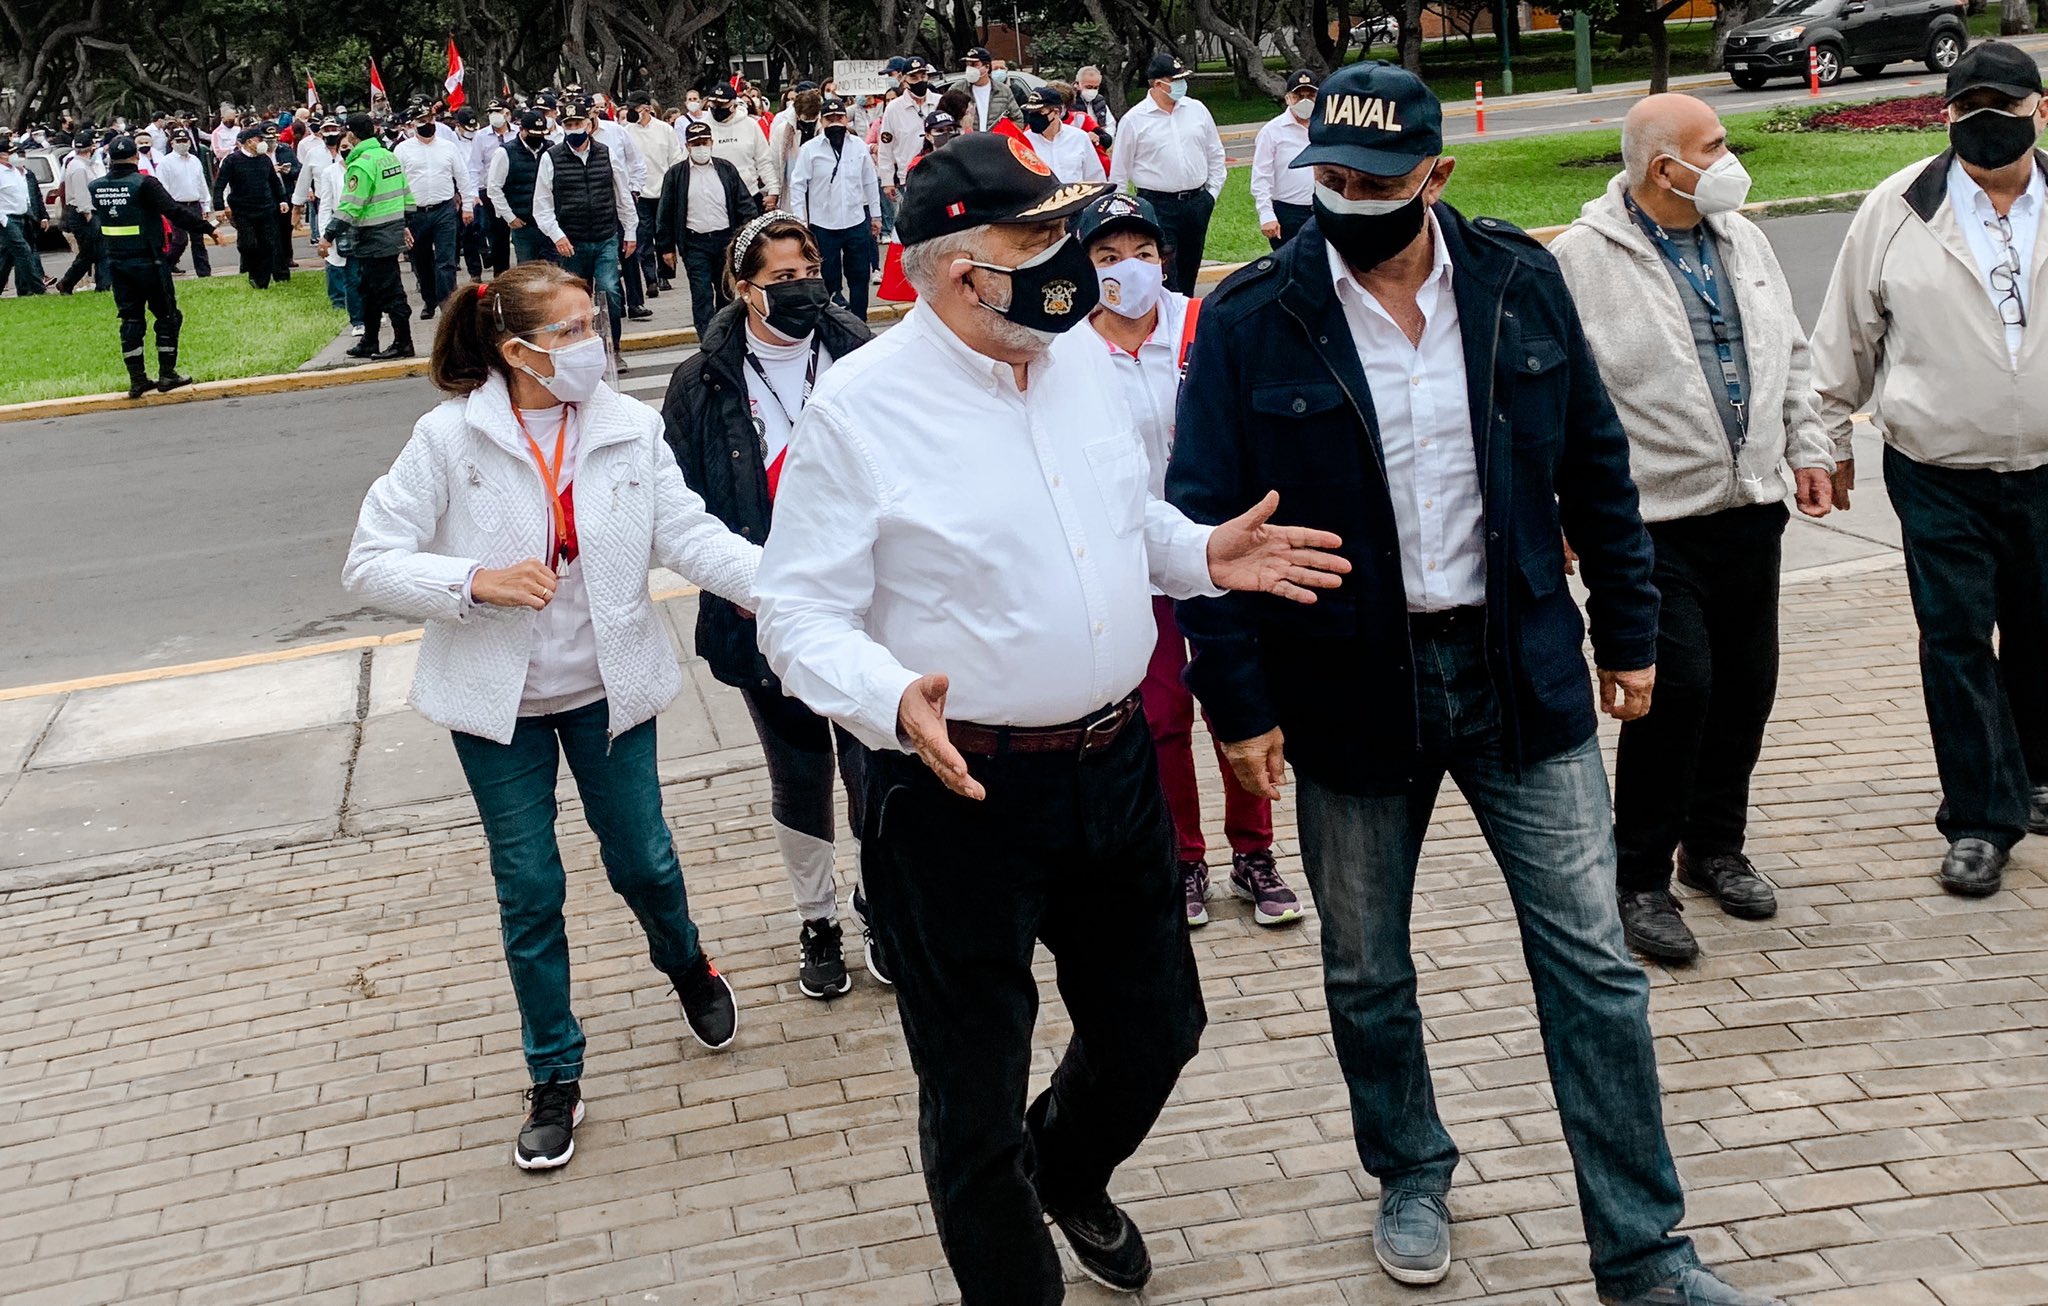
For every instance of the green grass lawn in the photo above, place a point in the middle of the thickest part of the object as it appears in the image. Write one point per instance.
(58, 346)
(1532, 182)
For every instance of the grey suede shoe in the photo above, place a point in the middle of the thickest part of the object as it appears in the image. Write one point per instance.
(1411, 1237)
(1694, 1286)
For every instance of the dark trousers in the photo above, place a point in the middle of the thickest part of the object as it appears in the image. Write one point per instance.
(1977, 560)
(799, 747)
(382, 295)
(475, 239)
(497, 236)
(436, 239)
(202, 262)
(514, 788)
(1682, 773)
(1290, 217)
(91, 256)
(145, 285)
(1077, 853)
(847, 254)
(17, 256)
(703, 253)
(530, 243)
(643, 253)
(257, 236)
(1184, 225)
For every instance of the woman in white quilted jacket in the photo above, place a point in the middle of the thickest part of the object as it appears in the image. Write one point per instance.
(519, 524)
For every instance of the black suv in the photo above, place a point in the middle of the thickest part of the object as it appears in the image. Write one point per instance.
(1861, 34)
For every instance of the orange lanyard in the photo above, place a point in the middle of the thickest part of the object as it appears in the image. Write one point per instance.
(551, 476)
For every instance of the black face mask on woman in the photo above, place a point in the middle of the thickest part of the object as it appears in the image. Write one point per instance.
(794, 307)
(1369, 232)
(1992, 138)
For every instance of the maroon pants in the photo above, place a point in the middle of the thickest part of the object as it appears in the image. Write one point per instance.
(1170, 711)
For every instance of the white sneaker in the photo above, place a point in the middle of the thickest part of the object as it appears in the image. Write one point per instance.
(356, 330)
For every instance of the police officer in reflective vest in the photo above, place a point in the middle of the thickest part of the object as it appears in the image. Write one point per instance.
(132, 209)
(368, 226)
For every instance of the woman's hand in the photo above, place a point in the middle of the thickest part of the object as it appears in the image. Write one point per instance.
(526, 584)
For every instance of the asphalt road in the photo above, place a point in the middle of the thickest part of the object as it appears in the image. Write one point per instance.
(215, 529)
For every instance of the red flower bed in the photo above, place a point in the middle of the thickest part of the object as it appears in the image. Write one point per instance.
(1916, 113)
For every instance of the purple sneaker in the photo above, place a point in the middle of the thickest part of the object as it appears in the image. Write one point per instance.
(1253, 878)
(1194, 882)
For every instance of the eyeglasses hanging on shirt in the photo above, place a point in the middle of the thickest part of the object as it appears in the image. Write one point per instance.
(2007, 275)
(1707, 286)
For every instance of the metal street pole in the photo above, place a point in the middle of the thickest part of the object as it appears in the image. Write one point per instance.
(1582, 50)
(1507, 58)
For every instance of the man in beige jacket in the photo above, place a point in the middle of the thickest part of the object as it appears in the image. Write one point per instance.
(1695, 335)
(1931, 321)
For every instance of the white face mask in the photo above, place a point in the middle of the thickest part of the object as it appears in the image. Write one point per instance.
(700, 154)
(1722, 187)
(693, 107)
(1130, 287)
(182, 147)
(498, 121)
(1337, 202)
(579, 369)
(1301, 109)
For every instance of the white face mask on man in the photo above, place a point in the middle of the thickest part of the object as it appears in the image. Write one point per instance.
(1722, 187)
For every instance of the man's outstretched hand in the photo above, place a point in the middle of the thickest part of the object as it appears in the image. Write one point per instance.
(1247, 553)
(921, 723)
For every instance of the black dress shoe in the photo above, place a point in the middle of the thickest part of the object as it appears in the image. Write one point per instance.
(639, 314)
(427, 313)
(1974, 868)
(2037, 810)
(1108, 1246)
(1731, 881)
(395, 351)
(1651, 923)
(363, 351)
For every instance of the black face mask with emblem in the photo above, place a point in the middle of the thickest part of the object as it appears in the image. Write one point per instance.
(1052, 290)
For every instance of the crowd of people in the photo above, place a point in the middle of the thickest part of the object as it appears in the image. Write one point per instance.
(979, 572)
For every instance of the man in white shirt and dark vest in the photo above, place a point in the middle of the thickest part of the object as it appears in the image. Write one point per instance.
(581, 199)
(1418, 382)
(1168, 150)
(969, 595)
(510, 184)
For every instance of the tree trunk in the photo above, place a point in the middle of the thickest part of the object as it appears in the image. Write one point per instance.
(1660, 55)
(1411, 35)
(2014, 18)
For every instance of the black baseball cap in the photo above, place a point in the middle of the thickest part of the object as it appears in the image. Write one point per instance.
(719, 91)
(831, 107)
(1374, 118)
(123, 147)
(1994, 66)
(919, 65)
(1046, 96)
(940, 120)
(980, 54)
(533, 120)
(575, 109)
(246, 134)
(1301, 79)
(897, 64)
(1165, 68)
(465, 117)
(1117, 212)
(697, 131)
(981, 179)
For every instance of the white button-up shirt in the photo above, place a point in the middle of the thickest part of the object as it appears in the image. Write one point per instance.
(1425, 429)
(14, 184)
(834, 189)
(614, 137)
(1002, 537)
(1977, 218)
(1280, 141)
(1157, 150)
(436, 171)
(902, 135)
(1071, 154)
(184, 176)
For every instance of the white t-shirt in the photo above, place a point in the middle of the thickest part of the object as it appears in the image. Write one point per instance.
(981, 94)
(561, 672)
(776, 401)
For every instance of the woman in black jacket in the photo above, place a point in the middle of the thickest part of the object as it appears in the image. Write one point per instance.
(730, 409)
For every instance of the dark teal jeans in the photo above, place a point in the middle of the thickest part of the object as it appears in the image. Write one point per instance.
(514, 787)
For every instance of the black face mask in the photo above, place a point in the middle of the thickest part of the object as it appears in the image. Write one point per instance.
(806, 128)
(1038, 122)
(721, 111)
(426, 131)
(836, 134)
(332, 140)
(1989, 138)
(918, 88)
(1366, 240)
(794, 307)
(536, 140)
(1051, 291)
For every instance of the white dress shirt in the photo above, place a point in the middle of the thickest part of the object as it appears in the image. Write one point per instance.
(704, 208)
(1003, 538)
(1425, 429)
(614, 137)
(184, 176)
(902, 135)
(1272, 178)
(436, 171)
(834, 189)
(79, 176)
(324, 184)
(544, 197)
(1977, 218)
(1071, 154)
(14, 184)
(1177, 151)
(312, 151)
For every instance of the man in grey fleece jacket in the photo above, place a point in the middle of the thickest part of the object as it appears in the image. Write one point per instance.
(1695, 335)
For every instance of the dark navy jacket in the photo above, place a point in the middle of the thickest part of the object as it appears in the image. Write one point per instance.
(1275, 399)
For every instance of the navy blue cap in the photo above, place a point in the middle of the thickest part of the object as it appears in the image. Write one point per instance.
(1117, 212)
(1376, 118)
(897, 64)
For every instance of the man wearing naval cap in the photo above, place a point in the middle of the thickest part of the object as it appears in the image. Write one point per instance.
(1417, 382)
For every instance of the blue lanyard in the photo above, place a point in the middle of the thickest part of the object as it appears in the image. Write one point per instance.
(1706, 285)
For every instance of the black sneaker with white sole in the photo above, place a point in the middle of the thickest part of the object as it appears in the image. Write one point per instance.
(822, 974)
(708, 1004)
(548, 1138)
(871, 947)
(1107, 1244)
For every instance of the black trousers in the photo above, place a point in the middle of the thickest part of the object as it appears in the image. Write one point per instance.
(90, 256)
(383, 295)
(1682, 771)
(848, 254)
(643, 253)
(475, 240)
(631, 283)
(202, 262)
(436, 245)
(1184, 225)
(1076, 853)
(1977, 560)
(1291, 217)
(145, 285)
(703, 256)
(257, 237)
(498, 235)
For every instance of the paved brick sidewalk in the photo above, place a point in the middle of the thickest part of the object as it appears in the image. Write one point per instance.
(295, 1076)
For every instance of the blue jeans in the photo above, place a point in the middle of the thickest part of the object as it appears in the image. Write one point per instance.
(342, 293)
(514, 788)
(436, 230)
(529, 243)
(597, 261)
(1548, 826)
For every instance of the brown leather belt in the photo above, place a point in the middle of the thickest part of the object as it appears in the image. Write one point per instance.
(1080, 738)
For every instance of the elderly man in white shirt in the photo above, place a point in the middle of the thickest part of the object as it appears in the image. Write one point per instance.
(1168, 150)
(1281, 192)
(445, 193)
(833, 188)
(969, 595)
(1068, 151)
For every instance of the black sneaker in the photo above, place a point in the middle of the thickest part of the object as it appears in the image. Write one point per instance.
(1729, 879)
(823, 973)
(548, 1138)
(1650, 920)
(708, 1004)
(871, 947)
(1108, 1246)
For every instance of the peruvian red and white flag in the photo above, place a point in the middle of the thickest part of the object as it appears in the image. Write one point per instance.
(312, 96)
(453, 85)
(376, 85)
